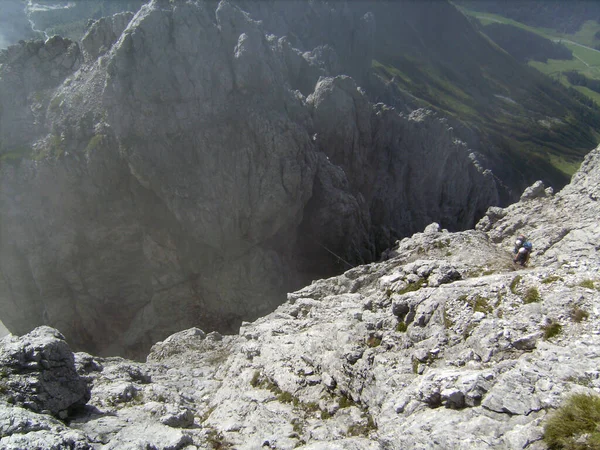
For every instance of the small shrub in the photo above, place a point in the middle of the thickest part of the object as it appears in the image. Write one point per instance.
(577, 314)
(415, 366)
(469, 330)
(362, 429)
(480, 304)
(373, 341)
(514, 283)
(325, 415)
(401, 327)
(411, 287)
(297, 426)
(582, 381)
(589, 284)
(217, 441)
(310, 406)
(551, 329)
(575, 425)
(285, 397)
(346, 402)
(531, 295)
(255, 381)
(441, 244)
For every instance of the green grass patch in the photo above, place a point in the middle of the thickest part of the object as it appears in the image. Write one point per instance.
(588, 284)
(480, 304)
(515, 283)
(373, 341)
(14, 157)
(589, 93)
(415, 366)
(585, 35)
(575, 425)
(551, 330)
(532, 295)
(346, 401)
(255, 381)
(54, 149)
(95, 142)
(585, 60)
(401, 327)
(362, 429)
(567, 166)
(412, 287)
(551, 279)
(581, 381)
(285, 397)
(325, 415)
(217, 440)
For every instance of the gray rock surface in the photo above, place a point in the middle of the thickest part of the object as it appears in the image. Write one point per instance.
(30, 73)
(443, 345)
(103, 33)
(177, 177)
(3, 330)
(38, 372)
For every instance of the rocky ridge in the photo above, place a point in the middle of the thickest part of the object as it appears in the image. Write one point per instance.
(445, 344)
(188, 156)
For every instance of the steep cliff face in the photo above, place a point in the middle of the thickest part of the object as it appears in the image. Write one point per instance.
(446, 344)
(171, 175)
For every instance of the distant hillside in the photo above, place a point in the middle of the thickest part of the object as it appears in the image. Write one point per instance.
(524, 45)
(428, 54)
(527, 125)
(563, 16)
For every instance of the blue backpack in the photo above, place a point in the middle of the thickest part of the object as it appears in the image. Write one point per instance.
(528, 246)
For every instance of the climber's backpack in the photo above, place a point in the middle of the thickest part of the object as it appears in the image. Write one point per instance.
(528, 246)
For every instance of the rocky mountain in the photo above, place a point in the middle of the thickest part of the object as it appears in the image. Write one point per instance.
(445, 344)
(188, 165)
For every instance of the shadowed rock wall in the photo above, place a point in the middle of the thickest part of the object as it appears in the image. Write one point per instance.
(178, 178)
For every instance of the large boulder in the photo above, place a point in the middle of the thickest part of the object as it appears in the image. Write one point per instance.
(38, 373)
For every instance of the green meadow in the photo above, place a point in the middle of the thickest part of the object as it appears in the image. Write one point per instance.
(586, 59)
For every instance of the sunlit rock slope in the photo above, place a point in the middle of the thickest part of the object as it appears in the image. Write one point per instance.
(446, 344)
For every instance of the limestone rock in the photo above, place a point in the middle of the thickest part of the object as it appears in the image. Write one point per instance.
(21, 428)
(536, 190)
(39, 373)
(204, 156)
(103, 34)
(378, 357)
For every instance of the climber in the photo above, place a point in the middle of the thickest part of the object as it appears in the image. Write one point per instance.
(521, 239)
(523, 252)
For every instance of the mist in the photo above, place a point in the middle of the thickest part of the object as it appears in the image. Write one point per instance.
(14, 25)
